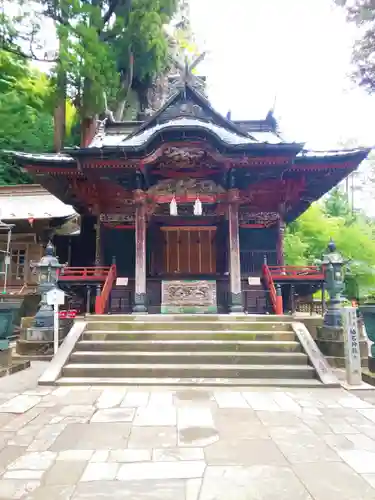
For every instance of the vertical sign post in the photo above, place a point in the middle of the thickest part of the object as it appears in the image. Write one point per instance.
(352, 347)
(55, 327)
(55, 298)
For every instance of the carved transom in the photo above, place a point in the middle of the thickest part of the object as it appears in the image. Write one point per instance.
(184, 154)
(186, 210)
(266, 218)
(184, 187)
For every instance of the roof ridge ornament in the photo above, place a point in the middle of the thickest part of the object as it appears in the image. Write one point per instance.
(186, 75)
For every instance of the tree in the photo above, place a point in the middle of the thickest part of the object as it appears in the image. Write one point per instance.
(22, 127)
(25, 114)
(306, 239)
(109, 51)
(336, 204)
(362, 12)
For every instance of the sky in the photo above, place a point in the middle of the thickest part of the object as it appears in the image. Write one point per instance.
(296, 53)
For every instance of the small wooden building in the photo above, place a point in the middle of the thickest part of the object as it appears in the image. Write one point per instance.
(30, 216)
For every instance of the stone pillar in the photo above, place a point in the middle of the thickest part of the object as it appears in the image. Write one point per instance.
(280, 242)
(140, 299)
(236, 305)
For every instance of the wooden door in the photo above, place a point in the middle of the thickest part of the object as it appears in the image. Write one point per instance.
(189, 250)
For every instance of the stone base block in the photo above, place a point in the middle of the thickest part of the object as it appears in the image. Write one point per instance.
(46, 334)
(40, 334)
(371, 364)
(35, 348)
(336, 348)
(14, 367)
(339, 362)
(5, 357)
(332, 344)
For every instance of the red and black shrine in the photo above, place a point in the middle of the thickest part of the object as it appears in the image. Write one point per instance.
(188, 196)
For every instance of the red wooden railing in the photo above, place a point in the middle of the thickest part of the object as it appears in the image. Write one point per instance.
(296, 273)
(71, 314)
(276, 299)
(102, 300)
(98, 273)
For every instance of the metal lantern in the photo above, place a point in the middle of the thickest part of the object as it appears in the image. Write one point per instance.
(47, 269)
(333, 264)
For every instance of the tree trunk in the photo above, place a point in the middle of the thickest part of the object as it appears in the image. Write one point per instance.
(88, 129)
(88, 119)
(126, 85)
(59, 114)
(120, 110)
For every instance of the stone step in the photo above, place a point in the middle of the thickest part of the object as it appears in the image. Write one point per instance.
(188, 382)
(188, 335)
(187, 370)
(154, 345)
(152, 318)
(187, 325)
(207, 358)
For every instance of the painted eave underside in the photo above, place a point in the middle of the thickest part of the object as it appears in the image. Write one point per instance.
(305, 157)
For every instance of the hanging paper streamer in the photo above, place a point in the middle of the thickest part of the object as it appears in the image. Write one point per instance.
(173, 207)
(198, 207)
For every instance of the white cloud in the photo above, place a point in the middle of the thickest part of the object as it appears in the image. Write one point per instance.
(299, 51)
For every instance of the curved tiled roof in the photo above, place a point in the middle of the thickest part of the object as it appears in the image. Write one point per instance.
(25, 201)
(121, 140)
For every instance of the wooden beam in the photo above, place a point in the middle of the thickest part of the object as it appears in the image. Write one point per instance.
(188, 228)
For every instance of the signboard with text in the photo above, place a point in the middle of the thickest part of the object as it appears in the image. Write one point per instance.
(352, 346)
(55, 297)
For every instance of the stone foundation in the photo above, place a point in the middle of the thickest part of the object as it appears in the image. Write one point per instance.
(332, 344)
(37, 343)
(5, 357)
(371, 364)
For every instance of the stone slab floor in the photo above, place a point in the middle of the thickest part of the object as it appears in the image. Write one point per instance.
(184, 444)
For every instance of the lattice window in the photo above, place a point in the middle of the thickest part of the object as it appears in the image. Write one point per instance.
(18, 262)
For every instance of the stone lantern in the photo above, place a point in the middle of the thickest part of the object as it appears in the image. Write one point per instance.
(331, 336)
(333, 268)
(47, 269)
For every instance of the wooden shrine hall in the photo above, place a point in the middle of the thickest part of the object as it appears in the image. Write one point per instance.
(186, 211)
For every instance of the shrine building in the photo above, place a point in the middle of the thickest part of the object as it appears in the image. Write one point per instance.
(186, 211)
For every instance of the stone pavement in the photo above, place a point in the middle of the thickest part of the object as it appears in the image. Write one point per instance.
(184, 444)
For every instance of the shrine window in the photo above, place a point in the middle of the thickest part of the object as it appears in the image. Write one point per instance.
(18, 263)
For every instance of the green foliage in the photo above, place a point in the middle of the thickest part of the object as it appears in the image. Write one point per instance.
(362, 12)
(306, 239)
(295, 248)
(370, 298)
(314, 229)
(25, 114)
(336, 204)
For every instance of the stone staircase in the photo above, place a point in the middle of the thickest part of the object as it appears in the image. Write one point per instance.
(188, 349)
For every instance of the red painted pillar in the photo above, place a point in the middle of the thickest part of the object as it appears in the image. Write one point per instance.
(140, 299)
(236, 303)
